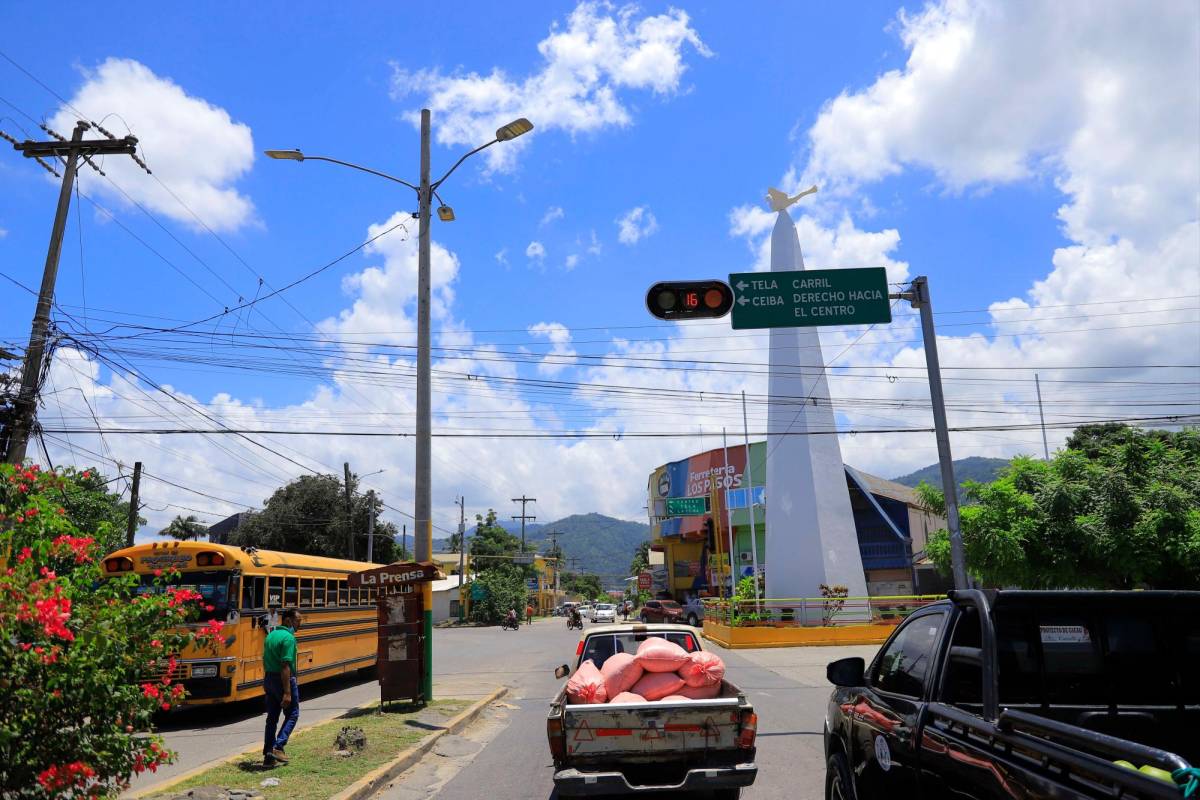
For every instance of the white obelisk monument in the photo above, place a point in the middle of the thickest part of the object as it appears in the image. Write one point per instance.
(810, 527)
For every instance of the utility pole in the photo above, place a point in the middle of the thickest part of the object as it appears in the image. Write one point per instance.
(462, 548)
(553, 536)
(25, 406)
(349, 514)
(918, 295)
(423, 494)
(523, 500)
(750, 503)
(371, 526)
(404, 538)
(1045, 444)
(131, 525)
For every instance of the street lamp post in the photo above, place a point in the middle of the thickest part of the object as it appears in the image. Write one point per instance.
(423, 482)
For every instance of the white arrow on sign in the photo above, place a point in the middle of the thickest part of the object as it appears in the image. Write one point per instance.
(742, 300)
(741, 286)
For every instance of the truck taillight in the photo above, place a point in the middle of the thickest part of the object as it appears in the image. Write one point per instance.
(554, 734)
(749, 730)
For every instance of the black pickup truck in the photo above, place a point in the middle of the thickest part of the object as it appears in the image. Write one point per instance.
(1022, 694)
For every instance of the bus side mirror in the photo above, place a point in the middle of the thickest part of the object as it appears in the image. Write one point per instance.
(846, 672)
(562, 672)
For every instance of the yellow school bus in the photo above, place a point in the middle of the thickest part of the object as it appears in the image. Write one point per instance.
(247, 589)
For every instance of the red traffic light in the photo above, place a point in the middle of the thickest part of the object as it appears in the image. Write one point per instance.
(676, 300)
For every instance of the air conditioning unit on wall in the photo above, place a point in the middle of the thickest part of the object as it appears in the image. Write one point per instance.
(745, 557)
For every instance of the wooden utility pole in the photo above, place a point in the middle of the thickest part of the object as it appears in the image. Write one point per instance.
(523, 500)
(131, 525)
(16, 438)
(371, 526)
(462, 549)
(349, 514)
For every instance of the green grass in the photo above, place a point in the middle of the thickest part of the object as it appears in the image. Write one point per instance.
(314, 772)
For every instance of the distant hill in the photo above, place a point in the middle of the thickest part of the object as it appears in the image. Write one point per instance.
(973, 468)
(603, 545)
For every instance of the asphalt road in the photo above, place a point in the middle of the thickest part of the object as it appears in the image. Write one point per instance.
(504, 756)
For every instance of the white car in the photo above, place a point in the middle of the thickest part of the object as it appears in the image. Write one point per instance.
(604, 612)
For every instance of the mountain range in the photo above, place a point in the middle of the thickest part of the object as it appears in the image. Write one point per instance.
(972, 468)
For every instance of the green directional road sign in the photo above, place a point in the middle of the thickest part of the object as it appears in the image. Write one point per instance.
(686, 506)
(810, 297)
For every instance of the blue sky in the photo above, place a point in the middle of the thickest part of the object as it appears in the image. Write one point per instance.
(946, 138)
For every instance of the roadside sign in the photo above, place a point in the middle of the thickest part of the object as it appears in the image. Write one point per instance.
(643, 581)
(686, 506)
(805, 298)
(478, 592)
(532, 584)
(523, 558)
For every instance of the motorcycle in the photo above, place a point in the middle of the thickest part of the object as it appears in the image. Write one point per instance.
(575, 621)
(513, 624)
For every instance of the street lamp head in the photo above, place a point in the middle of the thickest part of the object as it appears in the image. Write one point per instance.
(445, 213)
(285, 155)
(514, 129)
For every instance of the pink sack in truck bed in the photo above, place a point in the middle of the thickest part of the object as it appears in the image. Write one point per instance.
(702, 693)
(702, 669)
(657, 685)
(658, 655)
(627, 697)
(587, 685)
(620, 671)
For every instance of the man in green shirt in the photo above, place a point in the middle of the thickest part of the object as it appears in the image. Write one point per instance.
(280, 686)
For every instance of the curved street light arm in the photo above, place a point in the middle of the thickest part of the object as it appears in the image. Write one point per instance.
(438, 182)
(362, 169)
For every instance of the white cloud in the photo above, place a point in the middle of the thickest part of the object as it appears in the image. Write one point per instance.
(587, 64)
(561, 354)
(536, 251)
(502, 256)
(193, 146)
(552, 214)
(594, 248)
(635, 224)
(571, 262)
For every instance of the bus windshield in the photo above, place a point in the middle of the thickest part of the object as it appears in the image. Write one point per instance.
(213, 587)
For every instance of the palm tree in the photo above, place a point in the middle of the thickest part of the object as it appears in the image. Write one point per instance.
(185, 528)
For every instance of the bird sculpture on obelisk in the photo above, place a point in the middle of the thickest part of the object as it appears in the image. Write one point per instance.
(811, 538)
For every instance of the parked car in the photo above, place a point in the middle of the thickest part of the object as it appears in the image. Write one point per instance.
(667, 611)
(1030, 694)
(650, 747)
(693, 612)
(604, 612)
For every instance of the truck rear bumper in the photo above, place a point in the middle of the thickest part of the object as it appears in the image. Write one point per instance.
(573, 783)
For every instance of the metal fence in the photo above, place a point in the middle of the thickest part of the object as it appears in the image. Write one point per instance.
(816, 611)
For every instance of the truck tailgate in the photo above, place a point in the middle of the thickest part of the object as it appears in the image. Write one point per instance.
(632, 731)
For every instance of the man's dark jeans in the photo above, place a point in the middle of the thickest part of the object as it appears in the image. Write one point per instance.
(273, 685)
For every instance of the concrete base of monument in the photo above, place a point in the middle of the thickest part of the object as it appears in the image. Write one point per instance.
(768, 635)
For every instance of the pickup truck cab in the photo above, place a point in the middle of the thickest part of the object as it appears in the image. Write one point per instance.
(650, 747)
(1022, 695)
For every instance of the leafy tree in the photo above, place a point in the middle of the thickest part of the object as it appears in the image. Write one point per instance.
(309, 516)
(503, 588)
(185, 528)
(93, 508)
(77, 710)
(1119, 509)
(492, 546)
(587, 585)
(641, 559)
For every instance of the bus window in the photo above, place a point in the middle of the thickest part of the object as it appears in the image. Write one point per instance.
(343, 594)
(216, 589)
(306, 592)
(275, 591)
(291, 592)
(254, 591)
(331, 592)
(319, 593)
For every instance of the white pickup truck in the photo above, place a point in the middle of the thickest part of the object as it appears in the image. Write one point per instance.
(631, 748)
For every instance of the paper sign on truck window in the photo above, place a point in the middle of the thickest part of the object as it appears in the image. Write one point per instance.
(1065, 634)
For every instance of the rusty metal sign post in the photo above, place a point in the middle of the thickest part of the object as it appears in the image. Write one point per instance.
(400, 656)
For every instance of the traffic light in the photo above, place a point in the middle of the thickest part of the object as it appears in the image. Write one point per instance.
(711, 534)
(675, 300)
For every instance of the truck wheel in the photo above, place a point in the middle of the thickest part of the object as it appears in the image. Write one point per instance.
(693, 621)
(838, 783)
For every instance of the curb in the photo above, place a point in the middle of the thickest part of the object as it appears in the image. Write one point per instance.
(170, 783)
(376, 780)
